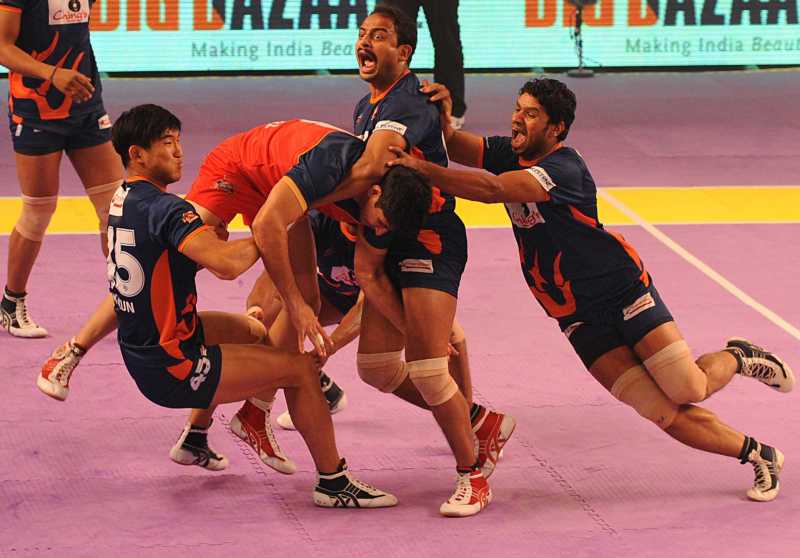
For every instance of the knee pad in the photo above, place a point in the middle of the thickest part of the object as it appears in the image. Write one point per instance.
(383, 371)
(432, 379)
(675, 371)
(36, 215)
(101, 196)
(636, 388)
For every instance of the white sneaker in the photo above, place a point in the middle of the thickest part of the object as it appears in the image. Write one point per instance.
(766, 467)
(56, 372)
(757, 362)
(18, 322)
(196, 451)
(342, 490)
(471, 496)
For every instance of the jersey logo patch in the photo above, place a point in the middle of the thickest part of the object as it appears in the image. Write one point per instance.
(411, 265)
(104, 122)
(67, 12)
(644, 302)
(189, 217)
(223, 186)
(524, 215)
(544, 179)
(117, 202)
(201, 370)
(392, 126)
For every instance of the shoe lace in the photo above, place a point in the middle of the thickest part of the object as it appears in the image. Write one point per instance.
(765, 471)
(463, 487)
(70, 361)
(266, 432)
(22, 314)
(760, 370)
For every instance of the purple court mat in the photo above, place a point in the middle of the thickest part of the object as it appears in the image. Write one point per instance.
(583, 475)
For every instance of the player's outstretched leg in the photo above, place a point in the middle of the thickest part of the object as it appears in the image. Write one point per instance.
(766, 367)
(192, 449)
(334, 395)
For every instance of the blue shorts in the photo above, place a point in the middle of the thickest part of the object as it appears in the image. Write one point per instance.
(40, 137)
(434, 259)
(343, 302)
(622, 324)
(164, 388)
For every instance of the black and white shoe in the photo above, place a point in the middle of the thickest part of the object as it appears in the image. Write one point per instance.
(16, 320)
(767, 464)
(342, 490)
(764, 366)
(192, 449)
(334, 395)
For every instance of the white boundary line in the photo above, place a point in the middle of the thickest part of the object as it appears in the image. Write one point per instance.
(701, 266)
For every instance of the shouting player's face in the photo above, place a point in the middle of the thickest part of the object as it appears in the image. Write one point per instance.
(532, 133)
(163, 160)
(380, 59)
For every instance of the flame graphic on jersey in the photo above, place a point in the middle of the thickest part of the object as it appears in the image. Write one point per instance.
(39, 95)
(539, 290)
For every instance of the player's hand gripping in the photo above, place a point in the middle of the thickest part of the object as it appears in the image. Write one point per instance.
(439, 94)
(308, 327)
(406, 160)
(73, 84)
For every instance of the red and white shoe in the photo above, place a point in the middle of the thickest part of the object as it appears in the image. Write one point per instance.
(471, 496)
(53, 380)
(492, 430)
(252, 425)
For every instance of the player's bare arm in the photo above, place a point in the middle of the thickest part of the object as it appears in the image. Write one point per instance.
(462, 147)
(226, 260)
(513, 186)
(350, 325)
(369, 169)
(285, 206)
(70, 82)
(375, 284)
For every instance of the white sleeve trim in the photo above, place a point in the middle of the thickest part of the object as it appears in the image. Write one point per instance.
(392, 126)
(542, 177)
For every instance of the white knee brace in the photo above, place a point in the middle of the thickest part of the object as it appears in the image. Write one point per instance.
(101, 196)
(383, 371)
(36, 215)
(676, 372)
(636, 388)
(432, 379)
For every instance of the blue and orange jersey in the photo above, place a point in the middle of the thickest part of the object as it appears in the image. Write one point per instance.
(151, 281)
(569, 260)
(55, 32)
(403, 109)
(336, 252)
(314, 155)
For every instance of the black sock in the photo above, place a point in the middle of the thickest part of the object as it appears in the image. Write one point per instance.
(749, 445)
(475, 411)
(197, 437)
(738, 356)
(337, 483)
(9, 302)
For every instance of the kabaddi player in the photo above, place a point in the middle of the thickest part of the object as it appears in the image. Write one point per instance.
(182, 359)
(55, 106)
(592, 281)
(411, 282)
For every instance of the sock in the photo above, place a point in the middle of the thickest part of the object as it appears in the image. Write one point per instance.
(9, 302)
(475, 411)
(737, 354)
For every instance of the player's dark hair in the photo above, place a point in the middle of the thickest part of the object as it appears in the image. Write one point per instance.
(405, 199)
(141, 125)
(405, 27)
(556, 98)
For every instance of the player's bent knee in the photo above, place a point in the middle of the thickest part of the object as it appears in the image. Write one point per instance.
(383, 371)
(432, 379)
(677, 374)
(637, 389)
(36, 215)
(101, 197)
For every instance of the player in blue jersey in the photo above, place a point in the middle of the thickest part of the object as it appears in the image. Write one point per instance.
(184, 359)
(411, 281)
(593, 282)
(55, 106)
